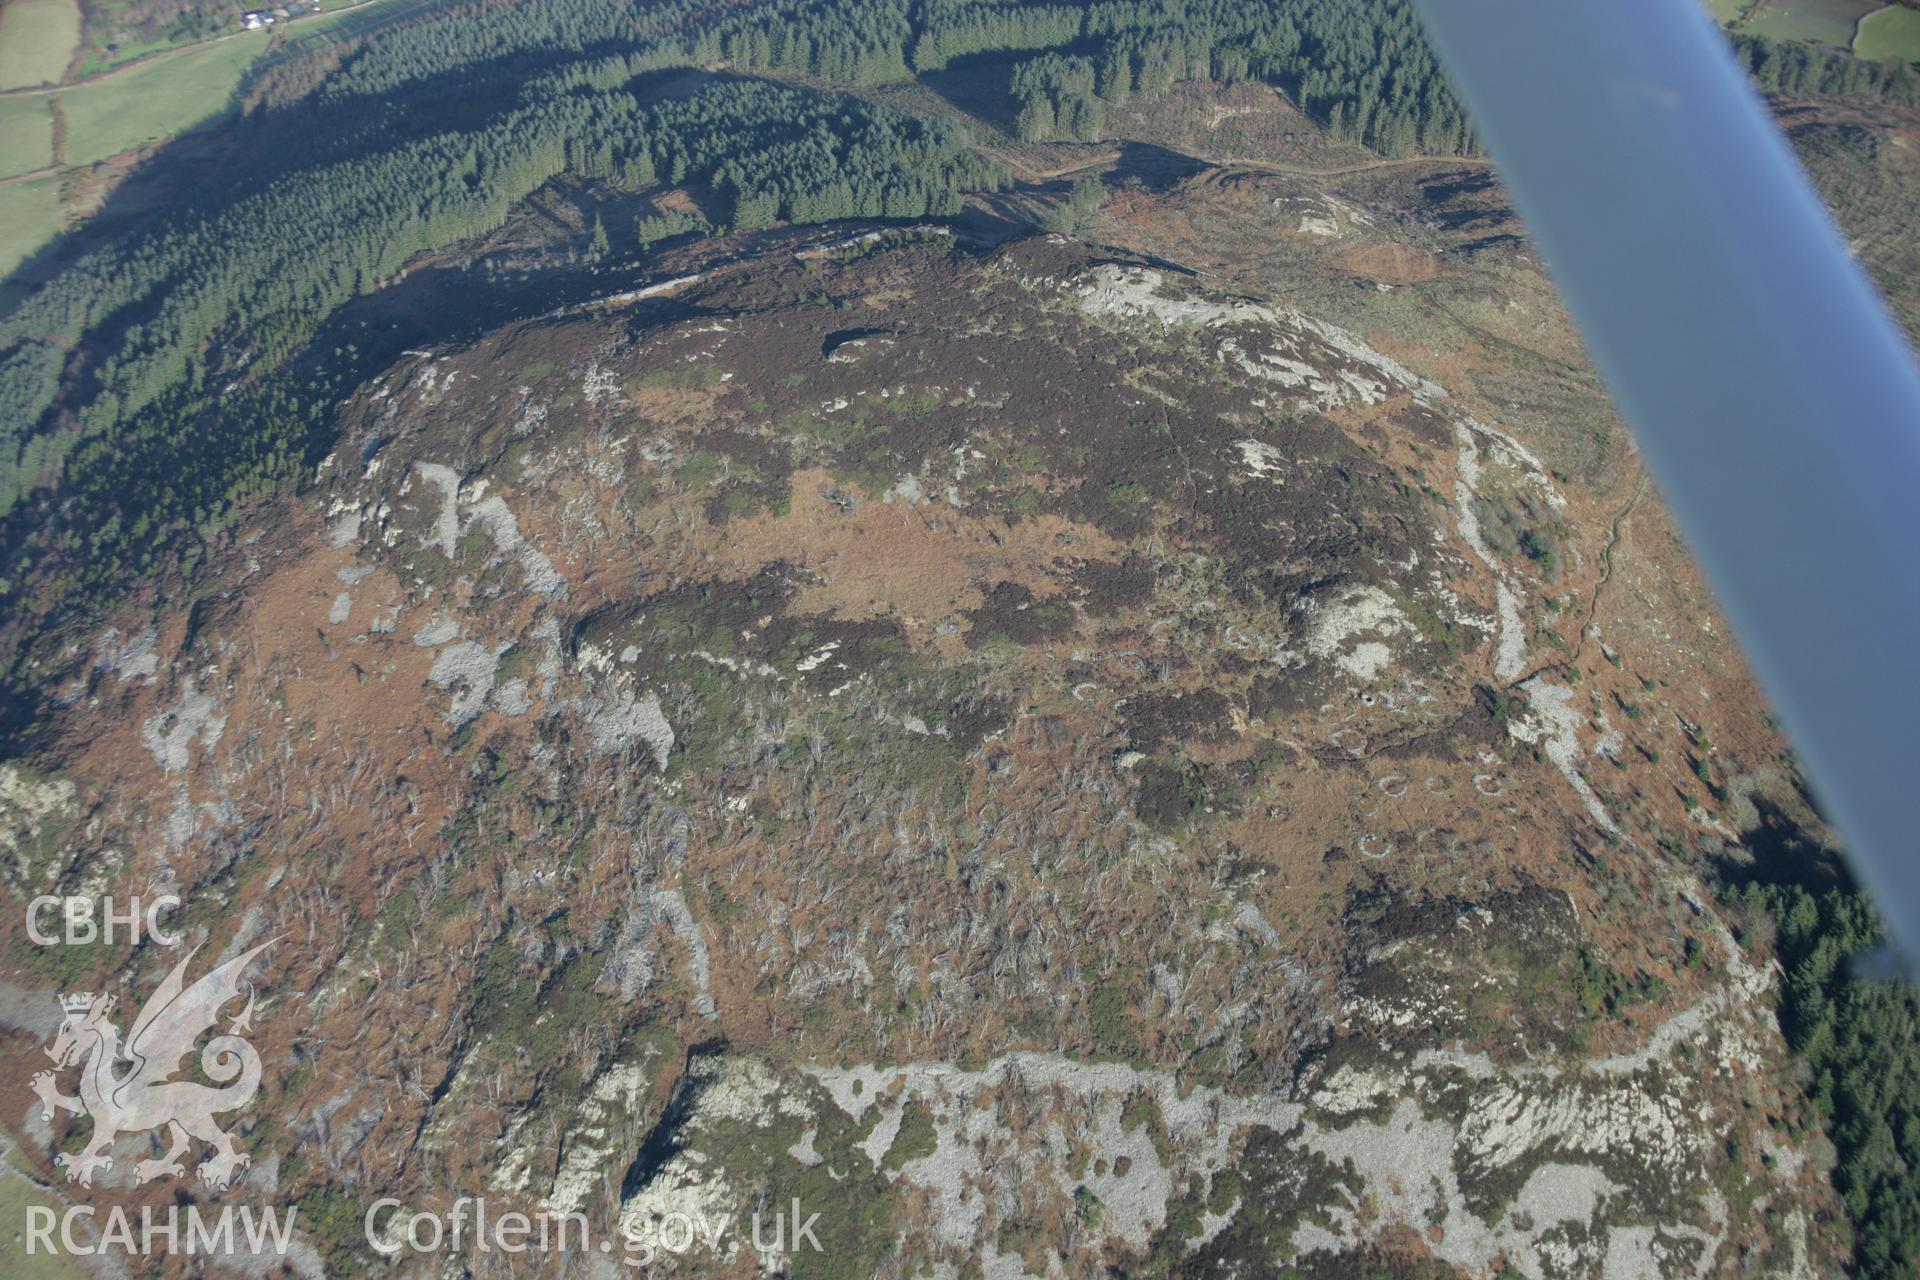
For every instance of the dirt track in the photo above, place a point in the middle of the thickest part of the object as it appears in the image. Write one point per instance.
(1258, 166)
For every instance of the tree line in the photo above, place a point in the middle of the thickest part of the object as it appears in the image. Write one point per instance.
(1861, 1039)
(1360, 67)
(1807, 71)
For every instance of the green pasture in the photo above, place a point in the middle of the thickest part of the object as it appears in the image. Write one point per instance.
(37, 38)
(1893, 32)
(155, 100)
(26, 135)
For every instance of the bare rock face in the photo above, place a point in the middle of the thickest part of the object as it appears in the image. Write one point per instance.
(1052, 764)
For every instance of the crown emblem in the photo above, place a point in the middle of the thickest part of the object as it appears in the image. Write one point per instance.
(79, 1002)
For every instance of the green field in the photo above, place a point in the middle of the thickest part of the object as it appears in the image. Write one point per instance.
(1829, 22)
(37, 38)
(176, 92)
(156, 100)
(29, 217)
(26, 135)
(1891, 33)
(1725, 11)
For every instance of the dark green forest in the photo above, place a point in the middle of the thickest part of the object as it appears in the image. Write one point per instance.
(1862, 1040)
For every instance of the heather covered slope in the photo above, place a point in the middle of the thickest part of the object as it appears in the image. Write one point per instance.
(1060, 758)
(1029, 635)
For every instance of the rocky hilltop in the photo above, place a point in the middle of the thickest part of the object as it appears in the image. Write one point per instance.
(1194, 755)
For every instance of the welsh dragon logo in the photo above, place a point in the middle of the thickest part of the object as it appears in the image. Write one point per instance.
(130, 1088)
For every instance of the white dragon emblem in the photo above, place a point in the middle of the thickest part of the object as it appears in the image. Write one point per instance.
(130, 1088)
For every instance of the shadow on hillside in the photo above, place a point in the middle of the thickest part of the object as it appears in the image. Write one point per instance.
(1154, 167)
(1785, 849)
(979, 85)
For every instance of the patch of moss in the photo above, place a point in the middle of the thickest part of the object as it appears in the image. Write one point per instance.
(915, 1138)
